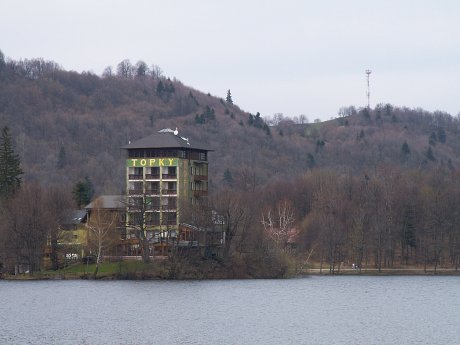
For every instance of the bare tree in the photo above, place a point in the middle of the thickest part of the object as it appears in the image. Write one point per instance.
(137, 222)
(303, 119)
(141, 69)
(102, 233)
(278, 223)
(108, 72)
(26, 222)
(330, 214)
(59, 203)
(233, 206)
(156, 72)
(125, 69)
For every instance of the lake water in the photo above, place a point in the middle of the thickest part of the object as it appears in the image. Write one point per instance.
(315, 310)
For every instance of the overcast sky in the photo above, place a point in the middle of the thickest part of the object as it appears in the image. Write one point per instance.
(292, 57)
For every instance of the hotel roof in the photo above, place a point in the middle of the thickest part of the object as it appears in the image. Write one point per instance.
(165, 139)
(111, 202)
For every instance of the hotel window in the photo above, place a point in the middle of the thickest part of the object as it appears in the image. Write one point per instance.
(172, 171)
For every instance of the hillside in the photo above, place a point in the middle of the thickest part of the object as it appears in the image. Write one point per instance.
(374, 187)
(68, 125)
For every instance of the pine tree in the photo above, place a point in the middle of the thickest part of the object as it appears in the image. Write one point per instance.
(405, 150)
(2, 60)
(429, 154)
(441, 135)
(310, 161)
(408, 232)
(229, 97)
(160, 88)
(228, 178)
(10, 169)
(432, 139)
(62, 158)
(83, 192)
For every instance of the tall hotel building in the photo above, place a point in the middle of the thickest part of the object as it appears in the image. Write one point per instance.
(163, 172)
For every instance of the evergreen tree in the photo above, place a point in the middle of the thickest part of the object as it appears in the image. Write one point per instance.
(310, 161)
(388, 109)
(408, 232)
(228, 178)
(83, 192)
(319, 145)
(160, 88)
(10, 169)
(366, 114)
(229, 97)
(429, 154)
(258, 121)
(2, 60)
(250, 119)
(441, 135)
(267, 130)
(432, 139)
(208, 115)
(170, 88)
(405, 149)
(62, 158)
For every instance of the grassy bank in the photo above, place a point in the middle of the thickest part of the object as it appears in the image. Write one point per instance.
(107, 270)
(211, 269)
(315, 269)
(159, 269)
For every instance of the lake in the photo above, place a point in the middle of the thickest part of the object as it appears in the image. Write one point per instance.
(314, 310)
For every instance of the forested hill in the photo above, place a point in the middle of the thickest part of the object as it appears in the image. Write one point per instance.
(68, 125)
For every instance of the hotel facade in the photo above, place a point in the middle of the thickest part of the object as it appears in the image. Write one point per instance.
(165, 174)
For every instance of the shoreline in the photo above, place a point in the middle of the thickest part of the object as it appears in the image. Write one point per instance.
(386, 272)
(305, 273)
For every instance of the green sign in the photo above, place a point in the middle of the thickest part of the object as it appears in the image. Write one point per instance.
(151, 162)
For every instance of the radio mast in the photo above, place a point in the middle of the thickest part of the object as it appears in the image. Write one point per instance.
(368, 72)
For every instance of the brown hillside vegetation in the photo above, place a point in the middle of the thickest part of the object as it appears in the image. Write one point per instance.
(69, 125)
(374, 187)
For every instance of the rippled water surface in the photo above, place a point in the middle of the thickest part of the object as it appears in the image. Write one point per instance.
(317, 310)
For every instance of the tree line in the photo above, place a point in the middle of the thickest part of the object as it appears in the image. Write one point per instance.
(390, 217)
(66, 126)
(385, 219)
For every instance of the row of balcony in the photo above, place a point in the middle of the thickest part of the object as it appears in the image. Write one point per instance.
(164, 177)
(152, 192)
(156, 222)
(151, 224)
(136, 208)
(165, 222)
(200, 193)
(152, 177)
(200, 177)
(196, 193)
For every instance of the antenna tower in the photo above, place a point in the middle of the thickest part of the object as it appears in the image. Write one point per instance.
(368, 72)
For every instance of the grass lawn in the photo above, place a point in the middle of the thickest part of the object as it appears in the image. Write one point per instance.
(106, 270)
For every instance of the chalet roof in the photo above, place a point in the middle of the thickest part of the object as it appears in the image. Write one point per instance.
(165, 140)
(75, 217)
(109, 202)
